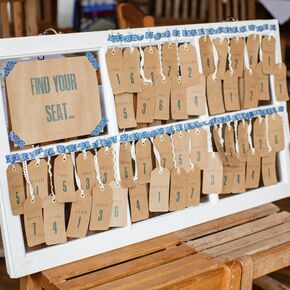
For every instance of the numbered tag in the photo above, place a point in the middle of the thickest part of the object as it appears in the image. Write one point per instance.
(214, 94)
(159, 190)
(259, 137)
(151, 63)
(269, 169)
(86, 171)
(253, 46)
(33, 221)
(178, 100)
(251, 98)
(139, 202)
(239, 178)
(193, 187)
(263, 85)
(221, 46)
(280, 81)
(54, 222)
(268, 48)
(164, 147)
(243, 141)
(162, 98)
(219, 146)
(231, 92)
(79, 218)
(276, 132)
(228, 174)
(253, 169)
(178, 190)
(125, 164)
(231, 153)
(106, 164)
(63, 177)
(144, 161)
(237, 55)
(206, 52)
(16, 188)
(102, 205)
(169, 59)
(125, 111)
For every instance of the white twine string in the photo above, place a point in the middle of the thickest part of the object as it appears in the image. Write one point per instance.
(50, 178)
(216, 61)
(267, 133)
(77, 178)
(209, 141)
(249, 132)
(236, 136)
(146, 81)
(27, 178)
(220, 133)
(173, 154)
(230, 58)
(97, 169)
(160, 62)
(260, 49)
(157, 155)
(116, 154)
(133, 155)
(189, 148)
(178, 62)
(246, 58)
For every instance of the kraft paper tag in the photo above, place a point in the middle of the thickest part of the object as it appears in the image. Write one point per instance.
(106, 164)
(86, 171)
(280, 82)
(219, 146)
(63, 177)
(231, 92)
(268, 48)
(195, 96)
(54, 222)
(206, 52)
(269, 169)
(16, 188)
(251, 98)
(33, 221)
(162, 98)
(178, 100)
(213, 175)
(178, 192)
(164, 147)
(199, 147)
(131, 62)
(151, 63)
(259, 136)
(119, 208)
(145, 104)
(228, 174)
(125, 111)
(159, 190)
(125, 164)
(114, 60)
(79, 218)
(139, 202)
(193, 186)
(231, 153)
(239, 178)
(237, 55)
(253, 46)
(221, 46)
(214, 94)
(102, 205)
(188, 63)
(243, 141)
(263, 86)
(144, 161)
(169, 59)
(253, 169)
(181, 149)
(276, 132)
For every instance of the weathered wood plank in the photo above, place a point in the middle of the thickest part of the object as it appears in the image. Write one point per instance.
(268, 283)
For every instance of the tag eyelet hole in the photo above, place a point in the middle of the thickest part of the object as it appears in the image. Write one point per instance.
(113, 52)
(161, 138)
(106, 151)
(14, 169)
(169, 45)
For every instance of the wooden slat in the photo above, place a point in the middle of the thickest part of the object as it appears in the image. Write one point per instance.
(226, 222)
(203, 9)
(109, 258)
(243, 10)
(185, 8)
(220, 10)
(251, 9)
(4, 20)
(239, 231)
(229, 9)
(47, 9)
(212, 11)
(268, 283)
(168, 8)
(236, 9)
(17, 10)
(31, 17)
(158, 8)
(126, 269)
(193, 13)
(176, 9)
(247, 264)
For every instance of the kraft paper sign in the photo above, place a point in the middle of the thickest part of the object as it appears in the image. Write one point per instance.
(53, 99)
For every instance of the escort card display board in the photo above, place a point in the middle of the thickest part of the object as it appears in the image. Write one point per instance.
(183, 125)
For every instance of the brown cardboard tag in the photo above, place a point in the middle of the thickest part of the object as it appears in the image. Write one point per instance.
(86, 171)
(259, 137)
(237, 55)
(269, 169)
(268, 48)
(219, 145)
(33, 221)
(159, 190)
(195, 96)
(193, 187)
(231, 153)
(162, 98)
(139, 202)
(114, 60)
(125, 111)
(280, 81)
(151, 63)
(263, 87)
(120, 205)
(181, 149)
(276, 132)
(178, 192)
(206, 52)
(125, 164)
(213, 175)
(243, 141)
(54, 222)
(169, 59)
(63, 177)
(178, 100)
(221, 46)
(80, 214)
(239, 178)
(214, 94)
(253, 46)
(231, 92)
(106, 164)
(199, 147)
(253, 169)
(241, 81)
(144, 161)
(145, 104)
(102, 204)
(228, 174)
(251, 98)
(188, 63)
(164, 147)
(131, 63)
(16, 188)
